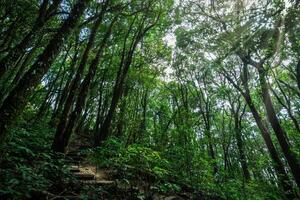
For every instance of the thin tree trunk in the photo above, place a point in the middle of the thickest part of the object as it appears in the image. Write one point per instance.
(100, 107)
(278, 165)
(283, 177)
(121, 121)
(57, 145)
(125, 64)
(143, 125)
(298, 74)
(81, 99)
(64, 94)
(287, 107)
(239, 140)
(44, 15)
(43, 108)
(18, 97)
(279, 131)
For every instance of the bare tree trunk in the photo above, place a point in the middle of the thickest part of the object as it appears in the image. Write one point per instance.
(121, 121)
(278, 165)
(43, 108)
(100, 107)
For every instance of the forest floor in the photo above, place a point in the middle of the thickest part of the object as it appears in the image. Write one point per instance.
(89, 175)
(104, 183)
(30, 170)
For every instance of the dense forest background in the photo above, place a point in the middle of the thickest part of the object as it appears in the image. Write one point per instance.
(188, 99)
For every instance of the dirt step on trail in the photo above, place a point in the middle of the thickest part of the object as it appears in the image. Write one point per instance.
(88, 174)
(74, 169)
(84, 177)
(101, 183)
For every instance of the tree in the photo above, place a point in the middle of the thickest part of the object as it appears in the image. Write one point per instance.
(18, 97)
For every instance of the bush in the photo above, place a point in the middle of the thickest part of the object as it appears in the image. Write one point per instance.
(135, 162)
(28, 166)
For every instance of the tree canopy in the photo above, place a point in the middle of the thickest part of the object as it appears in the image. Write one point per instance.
(189, 98)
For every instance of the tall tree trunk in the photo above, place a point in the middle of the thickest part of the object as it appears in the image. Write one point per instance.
(46, 103)
(18, 97)
(279, 131)
(283, 177)
(278, 165)
(239, 140)
(287, 106)
(74, 86)
(121, 121)
(81, 99)
(125, 64)
(100, 107)
(143, 124)
(64, 94)
(298, 74)
(105, 127)
(8, 36)
(44, 15)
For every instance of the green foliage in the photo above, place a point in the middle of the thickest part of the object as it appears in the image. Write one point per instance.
(145, 159)
(28, 166)
(114, 153)
(181, 113)
(166, 187)
(133, 162)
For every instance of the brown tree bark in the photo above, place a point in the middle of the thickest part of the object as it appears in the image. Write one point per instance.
(45, 13)
(298, 74)
(277, 163)
(72, 120)
(57, 145)
(278, 130)
(240, 144)
(124, 66)
(18, 97)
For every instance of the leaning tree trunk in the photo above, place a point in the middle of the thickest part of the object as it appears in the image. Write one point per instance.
(279, 131)
(44, 15)
(61, 99)
(65, 134)
(298, 74)
(278, 165)
(117, 93)
(100, 106)
(239, 140)
(74, 86)
(125, 64)
(121, 115)
(42, 111)
(18, 97)
(283, 177)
